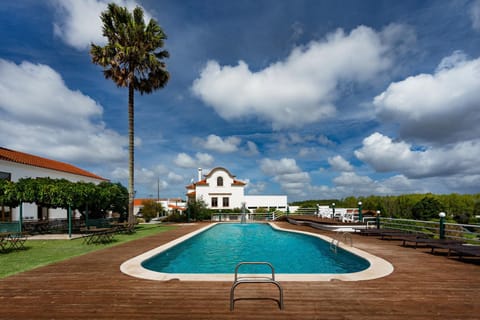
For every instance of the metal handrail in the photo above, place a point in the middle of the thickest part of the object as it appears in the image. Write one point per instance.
(336, 241)
(244, 280)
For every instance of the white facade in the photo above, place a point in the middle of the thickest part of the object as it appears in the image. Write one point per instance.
(31, 211)
(256, 201)
(169, 205)
(220, 190)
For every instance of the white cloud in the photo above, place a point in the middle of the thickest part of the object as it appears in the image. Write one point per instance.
(48, 118)
(78, 23)
(475, 15)
(175, 178)
(338, 163)
(301, 89)
(216, 143)
(252, 148)
(352, 179)
(255, 188)
(279, 167)
(183, 160)
(385, 155)
(353, 184)
(286, 172)
(436, 108)
(324, 140)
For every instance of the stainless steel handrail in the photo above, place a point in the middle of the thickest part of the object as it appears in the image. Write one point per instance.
(253, 279)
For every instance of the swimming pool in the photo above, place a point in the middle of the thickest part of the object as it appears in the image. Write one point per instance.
(220, 248)
(211, 253)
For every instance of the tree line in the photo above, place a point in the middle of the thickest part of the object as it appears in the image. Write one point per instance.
(96, 199)
(462, 208)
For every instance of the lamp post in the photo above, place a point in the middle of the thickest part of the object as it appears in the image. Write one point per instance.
(442, 225)
(378, 219)
(333, 210)
(360, 216)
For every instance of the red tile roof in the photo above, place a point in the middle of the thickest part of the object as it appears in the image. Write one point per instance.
(238, 183)
(138, 201)
(31, 160)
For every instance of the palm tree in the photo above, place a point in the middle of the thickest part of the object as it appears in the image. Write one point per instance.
(132, 58)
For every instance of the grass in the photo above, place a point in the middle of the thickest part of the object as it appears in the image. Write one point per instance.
(39, 253)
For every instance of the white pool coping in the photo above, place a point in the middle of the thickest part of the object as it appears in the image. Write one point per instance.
(378, 267)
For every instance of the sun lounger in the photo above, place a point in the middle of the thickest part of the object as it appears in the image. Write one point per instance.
(376, 232)
(430, 242)
(402, 235)
(459, 249)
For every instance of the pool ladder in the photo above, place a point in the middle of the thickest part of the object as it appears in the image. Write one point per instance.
(252, 279)
(336, 241)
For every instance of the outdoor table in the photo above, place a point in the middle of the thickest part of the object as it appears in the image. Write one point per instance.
(98, 235)
(40, 226)
(3, 240)
(17, 240)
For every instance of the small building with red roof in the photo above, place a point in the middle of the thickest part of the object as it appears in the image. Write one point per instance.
(15, 165)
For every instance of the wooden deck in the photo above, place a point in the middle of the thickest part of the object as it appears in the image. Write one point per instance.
(423, 286)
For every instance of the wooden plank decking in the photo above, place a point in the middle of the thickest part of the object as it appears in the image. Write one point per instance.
(423, 286)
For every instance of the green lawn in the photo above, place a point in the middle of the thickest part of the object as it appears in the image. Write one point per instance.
(43, 252)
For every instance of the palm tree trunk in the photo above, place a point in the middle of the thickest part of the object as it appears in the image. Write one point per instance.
(131, 155)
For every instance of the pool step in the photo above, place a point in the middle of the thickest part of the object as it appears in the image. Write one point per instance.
(252, 280)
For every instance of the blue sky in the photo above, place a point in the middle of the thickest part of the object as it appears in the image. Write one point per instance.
(313, 99)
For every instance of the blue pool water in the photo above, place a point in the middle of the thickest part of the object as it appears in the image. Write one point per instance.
(220, 248)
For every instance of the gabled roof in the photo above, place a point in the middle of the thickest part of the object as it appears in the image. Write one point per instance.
(35, 161)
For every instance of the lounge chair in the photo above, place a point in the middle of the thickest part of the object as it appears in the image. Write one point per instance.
(376, 232)
(430, 242)
(460, 249)
(402, 235)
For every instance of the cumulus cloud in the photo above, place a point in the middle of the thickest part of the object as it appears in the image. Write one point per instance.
(338, 163)
(50, 119)
(437, 108)
(149, 179)
(386, 155)
(286, 172)
(324, 140)
(216, 143)
(78, 23)
(252, 148)
(475, 15)
(351, 183)
(183, 160)
(278, 167)
(255, 188)
(303, 88)
(353, 179)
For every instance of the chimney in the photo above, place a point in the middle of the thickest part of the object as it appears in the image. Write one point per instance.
(199, 174)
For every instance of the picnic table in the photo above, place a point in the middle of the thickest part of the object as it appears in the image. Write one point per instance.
(97, 235)
(123, 227)
(12, 240)
(40, 226)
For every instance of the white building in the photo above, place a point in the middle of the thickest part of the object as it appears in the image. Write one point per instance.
(169, 205)
(15, 165)
(220, 190)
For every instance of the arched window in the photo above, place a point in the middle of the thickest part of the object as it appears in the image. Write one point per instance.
(219, 182)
